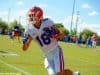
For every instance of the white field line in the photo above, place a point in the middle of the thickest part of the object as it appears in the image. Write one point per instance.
(14, 67)
(9, 54)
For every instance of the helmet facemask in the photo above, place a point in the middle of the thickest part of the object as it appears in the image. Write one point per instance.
(35, 15)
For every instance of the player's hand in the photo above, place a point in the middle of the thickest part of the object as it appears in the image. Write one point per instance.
(50, 32)
(26, 42)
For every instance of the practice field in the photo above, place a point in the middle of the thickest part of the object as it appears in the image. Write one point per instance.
(15, 61)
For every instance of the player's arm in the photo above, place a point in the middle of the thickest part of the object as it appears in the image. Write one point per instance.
(54, 32)
(26, 42)
(59, 33)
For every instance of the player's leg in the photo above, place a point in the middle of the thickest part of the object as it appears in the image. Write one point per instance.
(13, 34)
(94, 44)
(59, 61)
(54, 63)
(49, 66)
(18, 35)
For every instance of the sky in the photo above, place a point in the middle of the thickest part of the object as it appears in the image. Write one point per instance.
(59, 11)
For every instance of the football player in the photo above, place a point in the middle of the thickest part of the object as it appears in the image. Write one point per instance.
(45, 33)
(15, 32)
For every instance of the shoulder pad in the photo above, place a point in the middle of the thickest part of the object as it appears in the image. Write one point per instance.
(45, 19)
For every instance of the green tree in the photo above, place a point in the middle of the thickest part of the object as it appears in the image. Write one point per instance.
(73, 32)
(61, 26)
(3, 26)
(64, 30)
(86, 33)
(14, 23)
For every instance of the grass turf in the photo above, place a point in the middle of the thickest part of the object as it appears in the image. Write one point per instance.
(82, 59)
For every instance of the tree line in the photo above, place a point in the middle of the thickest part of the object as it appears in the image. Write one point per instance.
(4, 26)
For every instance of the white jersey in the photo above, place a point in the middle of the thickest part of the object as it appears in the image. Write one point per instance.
(46, 43)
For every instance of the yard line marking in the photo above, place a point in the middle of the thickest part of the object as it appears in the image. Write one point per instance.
(6, 53)
(10, 54)
(14, 67)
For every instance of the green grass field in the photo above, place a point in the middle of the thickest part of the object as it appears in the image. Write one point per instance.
(14, 61)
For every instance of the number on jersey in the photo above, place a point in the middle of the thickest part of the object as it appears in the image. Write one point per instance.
(44, 39)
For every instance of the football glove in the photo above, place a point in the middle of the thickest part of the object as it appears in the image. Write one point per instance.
(25, 38)
(50, 31)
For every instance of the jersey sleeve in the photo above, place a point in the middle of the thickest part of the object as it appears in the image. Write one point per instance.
(50, 22)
